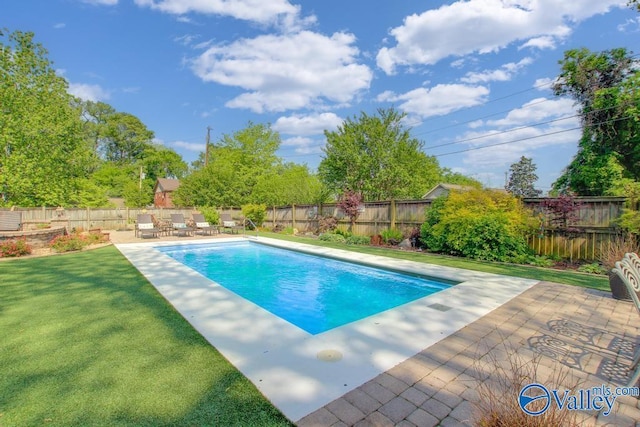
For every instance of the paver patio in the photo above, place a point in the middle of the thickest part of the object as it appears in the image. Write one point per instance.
(585, 332)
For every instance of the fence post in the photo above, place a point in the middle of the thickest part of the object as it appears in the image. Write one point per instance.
(392, 213)
(293, 216)
(88, 219)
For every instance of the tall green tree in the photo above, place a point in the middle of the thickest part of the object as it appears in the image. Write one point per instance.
(42, 153)
(126, 138)
(604, 86)
(522, 178)
(591, 173)
(288, 184)
(377, 157)
(235, 165)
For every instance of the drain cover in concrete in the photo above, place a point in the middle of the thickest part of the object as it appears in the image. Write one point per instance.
(329, 355)
(439, 307)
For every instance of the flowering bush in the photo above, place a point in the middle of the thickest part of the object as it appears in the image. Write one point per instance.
(14, 248)
(69, 242)
(75, 241)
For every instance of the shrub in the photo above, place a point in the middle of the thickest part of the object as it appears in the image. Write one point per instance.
(358, 240)
(69, 242)
(344, 233)
(617, 248)
(14, 248)
(392, 236)
(256, 213)
(327, 224)
(497, 402)
(210, 213)
(332, 237)
(593, 268)
(430, 237)
(481, 224)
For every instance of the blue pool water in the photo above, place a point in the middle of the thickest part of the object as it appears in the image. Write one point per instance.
(312, 292)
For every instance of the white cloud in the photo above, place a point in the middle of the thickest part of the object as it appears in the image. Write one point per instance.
(189, 146)
(273, 12)
(487, 26)
(291, 71)
(302, 145)
(539, 110)
(59, 26)
(186, 40)
(504, 73)
(537, 125)
(438, 100)
(89, 92)
(314, 124)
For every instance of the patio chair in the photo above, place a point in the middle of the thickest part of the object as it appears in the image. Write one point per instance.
(145, 226)
(631, 278)
(229, 224)
(203, 226)
(180, 227)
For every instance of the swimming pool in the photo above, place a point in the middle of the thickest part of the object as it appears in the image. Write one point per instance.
(314, 293)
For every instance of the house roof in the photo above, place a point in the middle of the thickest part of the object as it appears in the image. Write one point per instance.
(433, 193)
(166, 184)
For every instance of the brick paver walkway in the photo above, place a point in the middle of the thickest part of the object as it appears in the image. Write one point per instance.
(583, 332)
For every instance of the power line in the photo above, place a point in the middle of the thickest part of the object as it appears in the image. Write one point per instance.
(518, 128)
(528, 138)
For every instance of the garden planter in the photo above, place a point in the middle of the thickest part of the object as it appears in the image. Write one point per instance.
(618, 288)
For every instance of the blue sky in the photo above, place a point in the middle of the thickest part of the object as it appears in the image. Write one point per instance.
(469, 74)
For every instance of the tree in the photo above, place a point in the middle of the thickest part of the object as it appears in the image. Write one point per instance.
(522, 177)
(591, 174)
(288, 184)
(235, 165)
(605, 86)
(350, 202)
(376, 157)
(126, 138)
(42, 153)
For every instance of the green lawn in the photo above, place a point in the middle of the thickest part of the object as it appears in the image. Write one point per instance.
(544, 274)
(86, 340)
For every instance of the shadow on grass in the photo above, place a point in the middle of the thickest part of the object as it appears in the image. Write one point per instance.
(86, 340)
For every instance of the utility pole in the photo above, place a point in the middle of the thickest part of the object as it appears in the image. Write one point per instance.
(206, 150)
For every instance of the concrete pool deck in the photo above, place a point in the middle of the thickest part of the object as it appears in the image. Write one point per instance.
(286, 363)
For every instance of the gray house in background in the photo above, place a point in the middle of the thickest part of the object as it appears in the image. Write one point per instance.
(443, 190)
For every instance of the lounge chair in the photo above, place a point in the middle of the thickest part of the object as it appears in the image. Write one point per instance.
(145, 226)
(629, 271)
(180, 227)
(202, 226)
(229, 224)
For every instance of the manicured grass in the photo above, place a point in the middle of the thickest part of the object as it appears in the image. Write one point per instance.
(85, 340)
(544, 274)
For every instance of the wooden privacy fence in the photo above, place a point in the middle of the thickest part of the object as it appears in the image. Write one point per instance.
(585, 244)
(91, 218)
(595, 221)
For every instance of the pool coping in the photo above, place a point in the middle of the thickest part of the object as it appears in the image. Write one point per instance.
(285, 362)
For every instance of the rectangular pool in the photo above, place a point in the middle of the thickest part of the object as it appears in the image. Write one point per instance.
(312, 292)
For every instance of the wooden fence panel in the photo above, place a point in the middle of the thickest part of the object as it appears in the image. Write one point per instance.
(587, 244)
